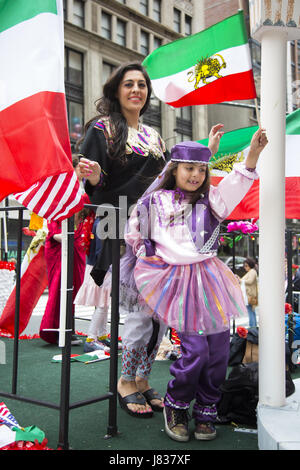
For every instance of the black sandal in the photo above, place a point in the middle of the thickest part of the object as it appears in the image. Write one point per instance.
(137, 399)
(152, 394)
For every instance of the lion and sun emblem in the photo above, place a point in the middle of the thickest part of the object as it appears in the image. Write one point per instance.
(205, 68)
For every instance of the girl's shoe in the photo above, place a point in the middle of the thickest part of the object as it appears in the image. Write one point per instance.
(205, 431)
(176, 424)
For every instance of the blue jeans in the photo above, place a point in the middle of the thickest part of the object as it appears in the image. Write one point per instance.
(252, 316)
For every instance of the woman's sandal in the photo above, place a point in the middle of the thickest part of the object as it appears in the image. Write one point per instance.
(152, 394)
(135, 398)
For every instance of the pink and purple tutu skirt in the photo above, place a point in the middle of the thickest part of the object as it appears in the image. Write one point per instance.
(196, 298)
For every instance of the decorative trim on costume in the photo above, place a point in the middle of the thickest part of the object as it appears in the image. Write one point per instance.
(204, 413)
(175, 210)
(142, 141)
(188, 161)
(100, 183)
(207, 248)
(178, 405)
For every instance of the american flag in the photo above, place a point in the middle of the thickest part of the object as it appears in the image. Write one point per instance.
(54, 197)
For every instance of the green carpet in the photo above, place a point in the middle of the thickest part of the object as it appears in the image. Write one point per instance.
(39, 378)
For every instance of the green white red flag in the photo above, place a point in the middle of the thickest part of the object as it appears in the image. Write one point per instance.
(211, 66)
(15, 437)
(234, 147)
(35, 153)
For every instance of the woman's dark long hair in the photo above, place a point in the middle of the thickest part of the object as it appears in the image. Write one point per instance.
(169, 182)
(108, 105)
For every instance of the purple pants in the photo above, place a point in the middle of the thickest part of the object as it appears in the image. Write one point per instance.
(199, 373)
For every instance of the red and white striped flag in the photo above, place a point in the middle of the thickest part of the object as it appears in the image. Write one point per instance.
(55, 197)
(35, 152)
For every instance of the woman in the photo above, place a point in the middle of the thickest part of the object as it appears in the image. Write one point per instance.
(250, 280)
(120, 157)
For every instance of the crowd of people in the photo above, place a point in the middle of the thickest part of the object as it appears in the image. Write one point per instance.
(170, 276)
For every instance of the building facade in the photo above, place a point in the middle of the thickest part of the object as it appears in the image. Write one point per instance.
(101, 34)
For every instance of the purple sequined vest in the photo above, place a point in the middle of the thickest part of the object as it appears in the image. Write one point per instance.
(202, 224)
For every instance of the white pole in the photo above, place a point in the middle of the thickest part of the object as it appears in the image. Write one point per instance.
(272, 221)
(63, 283)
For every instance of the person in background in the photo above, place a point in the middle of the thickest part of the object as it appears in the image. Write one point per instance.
(251, 287)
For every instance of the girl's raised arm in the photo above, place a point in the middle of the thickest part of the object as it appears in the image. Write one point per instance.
(258, 143)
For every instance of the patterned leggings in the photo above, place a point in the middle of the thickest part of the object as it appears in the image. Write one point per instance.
(140, 339)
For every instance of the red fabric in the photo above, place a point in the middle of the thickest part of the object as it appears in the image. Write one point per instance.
(239, 86)
(33, 283)
(53, 261)
(34, 141)
(248, 208)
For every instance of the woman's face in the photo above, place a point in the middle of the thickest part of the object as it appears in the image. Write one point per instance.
(247, 267)
(190, 176)
(132, 92)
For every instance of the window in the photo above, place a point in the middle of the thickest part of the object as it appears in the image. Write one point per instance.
(188, 25)
(157, 10)
(144, 43)
(107, 70)
(74, 93)
(255, 51)
(106, 25)
(121, 32)
(152, 117)
(73, 67)
(144, 7)
(75, 116)
(157, 42)
(78, 13)
(65, 9)
(177, 20)
(183, 124)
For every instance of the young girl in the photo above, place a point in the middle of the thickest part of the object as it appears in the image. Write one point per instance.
(181, 280)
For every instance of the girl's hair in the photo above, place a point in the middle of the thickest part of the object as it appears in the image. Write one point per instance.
(169, 182)
(108, 105)
(250, 262)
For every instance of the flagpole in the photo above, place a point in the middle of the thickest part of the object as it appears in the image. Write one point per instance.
(63, 284)
(241, 7)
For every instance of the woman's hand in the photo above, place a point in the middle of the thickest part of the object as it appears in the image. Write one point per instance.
(214, 138)
(90, 170)
(258, 143)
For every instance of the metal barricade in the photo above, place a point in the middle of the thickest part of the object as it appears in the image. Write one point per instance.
(64, 406)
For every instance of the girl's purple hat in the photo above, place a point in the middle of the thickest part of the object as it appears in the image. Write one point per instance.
(190, 151)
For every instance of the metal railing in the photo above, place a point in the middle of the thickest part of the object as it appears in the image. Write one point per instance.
(64, 406)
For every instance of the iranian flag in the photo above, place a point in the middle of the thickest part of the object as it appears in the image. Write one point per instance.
(35, 153)
(234, 147)
(212, 66)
